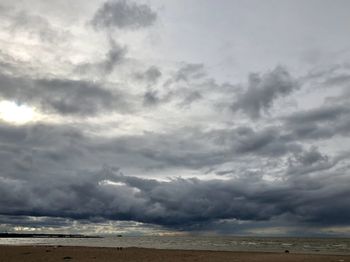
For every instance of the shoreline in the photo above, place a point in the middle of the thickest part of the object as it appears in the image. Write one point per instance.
(272, 251)
(31, 253)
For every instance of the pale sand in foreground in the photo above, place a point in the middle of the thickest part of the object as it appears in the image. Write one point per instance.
(86, 254)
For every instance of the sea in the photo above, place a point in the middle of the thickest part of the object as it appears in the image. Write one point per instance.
(251, 244)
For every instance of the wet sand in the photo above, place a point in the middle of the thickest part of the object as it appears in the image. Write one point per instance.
(86, 254)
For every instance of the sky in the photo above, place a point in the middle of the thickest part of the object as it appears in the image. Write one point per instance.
(175, 117)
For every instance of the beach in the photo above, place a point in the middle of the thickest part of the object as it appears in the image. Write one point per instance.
(86, 254)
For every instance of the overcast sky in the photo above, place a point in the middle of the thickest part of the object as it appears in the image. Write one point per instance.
(175, 117)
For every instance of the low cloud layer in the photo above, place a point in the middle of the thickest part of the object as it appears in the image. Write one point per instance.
(180, 202)
(83, 193)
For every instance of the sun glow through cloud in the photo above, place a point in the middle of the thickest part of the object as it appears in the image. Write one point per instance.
(15, 113)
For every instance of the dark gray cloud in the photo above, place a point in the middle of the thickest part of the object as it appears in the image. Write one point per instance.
(195, 149)
(31, 151)
(182, 97)
(311, 157)
(262, 90)
(268, 141)
(322, 114)
(308, 162)
(187, 85)
(322, 122)
(190, 148)
(124, 15)
(151, 98)
(63, 96)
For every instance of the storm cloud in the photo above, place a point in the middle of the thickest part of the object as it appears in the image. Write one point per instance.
(177, 203)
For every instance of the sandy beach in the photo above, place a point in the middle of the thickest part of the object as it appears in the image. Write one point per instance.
(59, 253)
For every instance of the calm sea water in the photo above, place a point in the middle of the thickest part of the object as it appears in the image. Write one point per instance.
(297, 245)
